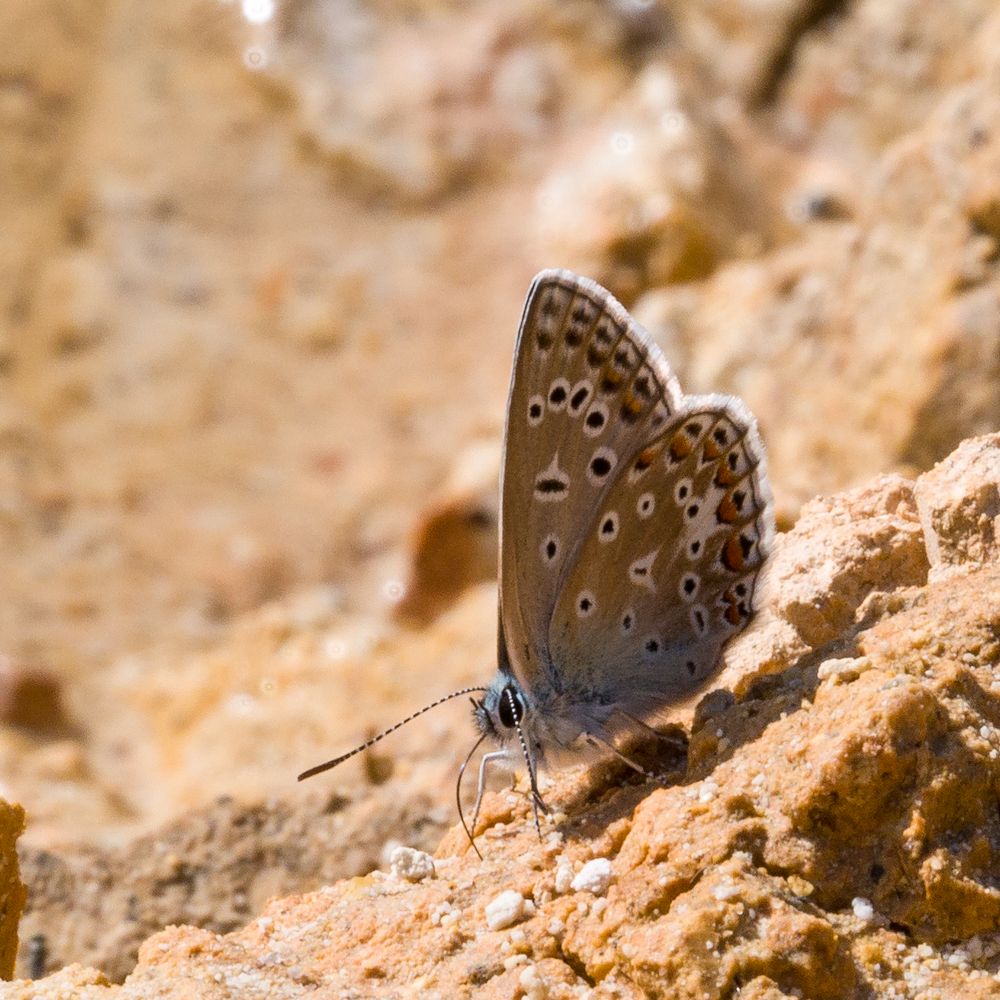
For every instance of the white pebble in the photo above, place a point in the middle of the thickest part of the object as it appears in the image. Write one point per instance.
(411, 865)
(863, 909)
(564, 876)
(844, 670)
(534, 986)
(594, 876)
(725, 890)
(505, 911)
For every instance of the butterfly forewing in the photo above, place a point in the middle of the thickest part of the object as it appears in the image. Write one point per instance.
(669, 565)
(589, 387)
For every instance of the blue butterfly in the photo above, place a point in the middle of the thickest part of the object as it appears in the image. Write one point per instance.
(635, 521)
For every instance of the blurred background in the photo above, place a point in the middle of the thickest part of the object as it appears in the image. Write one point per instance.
(261, 267)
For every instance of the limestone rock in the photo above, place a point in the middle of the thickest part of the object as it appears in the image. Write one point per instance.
(872, 73)
(757, 40)
(215, 867)
(833, 309)
(260, 271)
(832, 835)
(422, 105)
(959, 503)
(454, 542)
(658, 193)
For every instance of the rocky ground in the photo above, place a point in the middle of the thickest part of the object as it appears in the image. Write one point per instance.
(259, 282)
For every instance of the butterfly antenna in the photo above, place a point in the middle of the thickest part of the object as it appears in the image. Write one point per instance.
(327, 765)
(458, 795)
(536, 798)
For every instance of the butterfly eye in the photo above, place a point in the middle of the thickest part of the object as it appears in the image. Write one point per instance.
(510, 709)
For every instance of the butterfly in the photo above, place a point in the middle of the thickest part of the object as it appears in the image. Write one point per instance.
(635, 522)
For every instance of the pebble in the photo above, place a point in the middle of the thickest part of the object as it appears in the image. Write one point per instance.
(535, 987)
(564, 876)
(411, 865)
(594, 876)
(506, 910)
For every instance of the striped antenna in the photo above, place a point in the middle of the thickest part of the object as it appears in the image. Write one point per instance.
(319, 768)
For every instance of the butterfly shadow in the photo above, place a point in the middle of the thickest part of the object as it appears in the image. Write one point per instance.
(610, 790)
(743, 718)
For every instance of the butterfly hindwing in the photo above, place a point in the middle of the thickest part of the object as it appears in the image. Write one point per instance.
(669, 565)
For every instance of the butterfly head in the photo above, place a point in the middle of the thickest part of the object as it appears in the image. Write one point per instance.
(502, 711)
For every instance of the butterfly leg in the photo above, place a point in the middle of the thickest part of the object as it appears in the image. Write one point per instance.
(675, 739)
(598, 743)
(481, 786)
(646, 728)
(540, 803)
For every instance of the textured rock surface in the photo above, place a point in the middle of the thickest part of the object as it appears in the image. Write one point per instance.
(959, 503)
(659, 193)
(158, 293)
(259, 279)
(834, 833)
(833, 311)
(215, 867)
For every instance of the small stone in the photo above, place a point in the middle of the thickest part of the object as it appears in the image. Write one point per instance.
(800, 886)
(725, 890)
(594, 876)
(708, 791)
(533, 985)
(842, 670)
(411, 865)
(505, 910)
(564, 876)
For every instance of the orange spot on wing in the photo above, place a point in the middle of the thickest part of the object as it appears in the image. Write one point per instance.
(611, 380)
(725, 476)
(646, 457)
(680, 446)
(711, 450)
(732, 554)
(726, 512)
